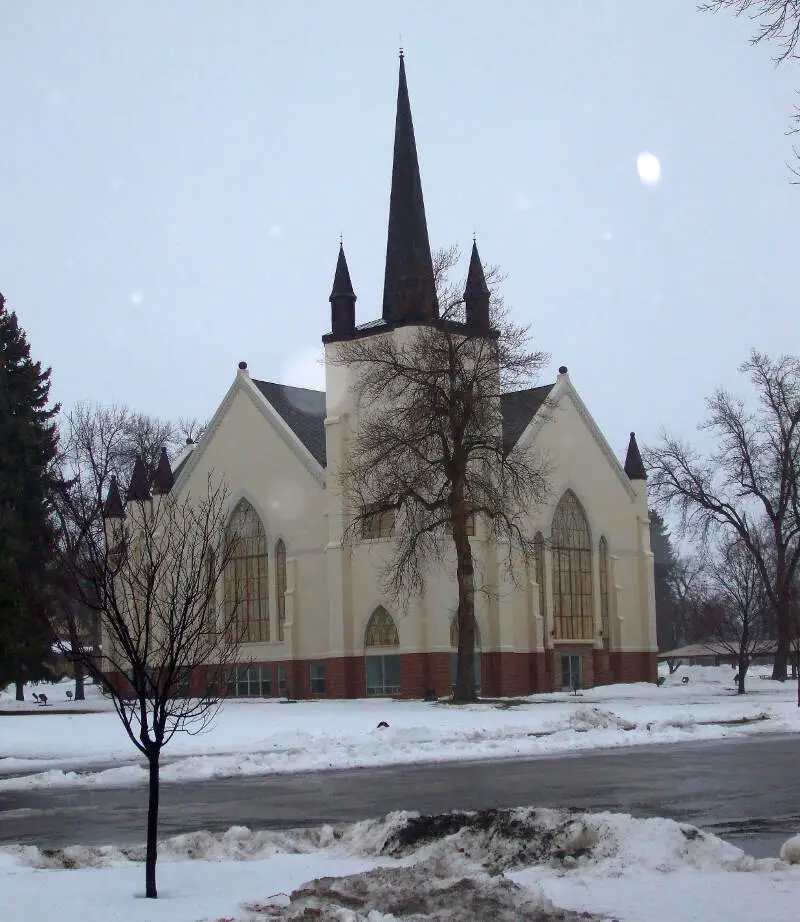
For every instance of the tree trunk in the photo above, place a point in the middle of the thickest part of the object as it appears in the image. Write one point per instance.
(152, 828)
(19, 686)
(781, 656)
(744, 665)
(77, 663)
(465, 576)
(783, 618)
(79, 682)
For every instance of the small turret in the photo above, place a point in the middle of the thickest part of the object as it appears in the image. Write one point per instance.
(113, 508)
(476, 294)
(634, 466)
(139, 487)
(163, 478)
(343, 300)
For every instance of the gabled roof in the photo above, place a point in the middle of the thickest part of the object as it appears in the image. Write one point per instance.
(518, 409)
(302, 410)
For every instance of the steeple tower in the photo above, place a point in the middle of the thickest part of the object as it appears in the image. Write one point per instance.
(409, 293)
(343, 300)
(476, 294)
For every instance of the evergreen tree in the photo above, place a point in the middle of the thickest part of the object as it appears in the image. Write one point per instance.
(663, 571)
(28, 446)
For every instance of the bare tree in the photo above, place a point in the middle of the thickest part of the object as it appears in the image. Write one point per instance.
(750, 478)
(778, 22)
(168, 641)
(737, 616)
(429, 449)
(97, 443)
(687, 584)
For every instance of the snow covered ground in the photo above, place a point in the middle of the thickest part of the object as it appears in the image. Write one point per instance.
(508, 866)
(58, 746)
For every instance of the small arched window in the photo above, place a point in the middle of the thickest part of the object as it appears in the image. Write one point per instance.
(573, 609)
(381, 630)
(280, 584)
(603, 564)
(246, 574)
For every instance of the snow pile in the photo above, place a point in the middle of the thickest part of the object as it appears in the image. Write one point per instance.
(585, 719)
(502, 840)
(416, 894)
(790, 850)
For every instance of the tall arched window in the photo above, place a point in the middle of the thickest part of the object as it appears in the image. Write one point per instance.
(538, 570)
(573, 609)
(382, 669)
(280, 584)
(603, 563)
(246, 574)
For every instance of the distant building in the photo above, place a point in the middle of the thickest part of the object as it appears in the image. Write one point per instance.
(316, 620)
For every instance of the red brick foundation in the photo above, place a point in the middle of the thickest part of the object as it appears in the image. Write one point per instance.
(502, 674)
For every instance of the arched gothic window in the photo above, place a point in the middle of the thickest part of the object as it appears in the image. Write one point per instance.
(603, 563)
(573, 609)
(381, 630)
(246, 574)
(382, 669)
(280, 584)
(538, 570)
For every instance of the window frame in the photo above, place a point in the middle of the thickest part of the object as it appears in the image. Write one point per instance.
(248, 567)
(319, 678)
(572, 574)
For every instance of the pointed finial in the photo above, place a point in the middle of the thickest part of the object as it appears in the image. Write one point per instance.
(401, 45)
(341, 241)
(634, 466)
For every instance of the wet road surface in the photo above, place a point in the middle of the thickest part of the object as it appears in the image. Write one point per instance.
(745, 790)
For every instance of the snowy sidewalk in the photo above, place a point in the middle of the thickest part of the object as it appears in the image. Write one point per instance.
(257, 736)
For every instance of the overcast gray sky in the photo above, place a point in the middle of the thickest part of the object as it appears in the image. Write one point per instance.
(174, 177)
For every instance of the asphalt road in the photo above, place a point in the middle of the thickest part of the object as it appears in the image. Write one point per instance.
(746, 790)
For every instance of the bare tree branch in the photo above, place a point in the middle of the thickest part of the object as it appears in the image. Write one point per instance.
(436, 463)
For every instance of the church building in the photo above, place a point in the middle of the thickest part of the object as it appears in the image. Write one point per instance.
(315, 620)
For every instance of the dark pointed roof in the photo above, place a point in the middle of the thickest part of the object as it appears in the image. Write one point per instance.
(409, 292)
(476, 280)
(139, 487)
(634, 466)
(302, 410)
(518, 408)
(113, 508)
(163, 478)
(342, 286)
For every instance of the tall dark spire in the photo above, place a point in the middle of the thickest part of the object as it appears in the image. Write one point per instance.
(634, 466)
(476, 294)
(163, 479)
(139, 487)
(343, 300)
(113, 508)
(409, 293)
